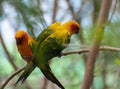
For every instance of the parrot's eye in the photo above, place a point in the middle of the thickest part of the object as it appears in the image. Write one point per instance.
(19, 40)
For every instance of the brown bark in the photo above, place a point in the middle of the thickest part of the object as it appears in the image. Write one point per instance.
(89, 71)
(54, 10)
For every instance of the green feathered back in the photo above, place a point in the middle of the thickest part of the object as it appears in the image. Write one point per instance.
(43, 35)
(52, 45)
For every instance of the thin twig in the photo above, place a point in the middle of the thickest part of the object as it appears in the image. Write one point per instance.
(80, 7)
(9, 56)
(75, 14)
(114, 8)
(109, 48)
(102, 48)
(70, 6)
(14, 74)
(54, 10)
(75, 52)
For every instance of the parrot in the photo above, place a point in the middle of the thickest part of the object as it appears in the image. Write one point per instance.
(24, 44)
(22, 40)
(50, 43)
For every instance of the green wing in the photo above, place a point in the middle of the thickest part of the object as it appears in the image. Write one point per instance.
(52, 47)
(45, 34)
(48, 31)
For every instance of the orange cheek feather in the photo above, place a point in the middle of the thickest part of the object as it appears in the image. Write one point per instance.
(24, 50)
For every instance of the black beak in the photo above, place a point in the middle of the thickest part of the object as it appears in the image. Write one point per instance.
(18, 41)
(77, 31)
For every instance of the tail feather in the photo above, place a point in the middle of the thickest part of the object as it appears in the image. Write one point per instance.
(28, 70)
(49, 75)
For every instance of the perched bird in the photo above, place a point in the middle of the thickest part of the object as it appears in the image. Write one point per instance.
(52, 47)
(49, 44)
(22, 41)
(27, 45)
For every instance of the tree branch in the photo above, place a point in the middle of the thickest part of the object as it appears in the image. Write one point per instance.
(75, 14)
(9, 78)
(102, 19)
(70, 6)
(102, 48)
(113, 12)
(54, 10)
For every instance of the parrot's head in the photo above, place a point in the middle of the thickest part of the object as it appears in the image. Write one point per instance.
(72, 26)
(21, 37)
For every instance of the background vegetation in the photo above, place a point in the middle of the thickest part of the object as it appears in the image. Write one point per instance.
(34, 15)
